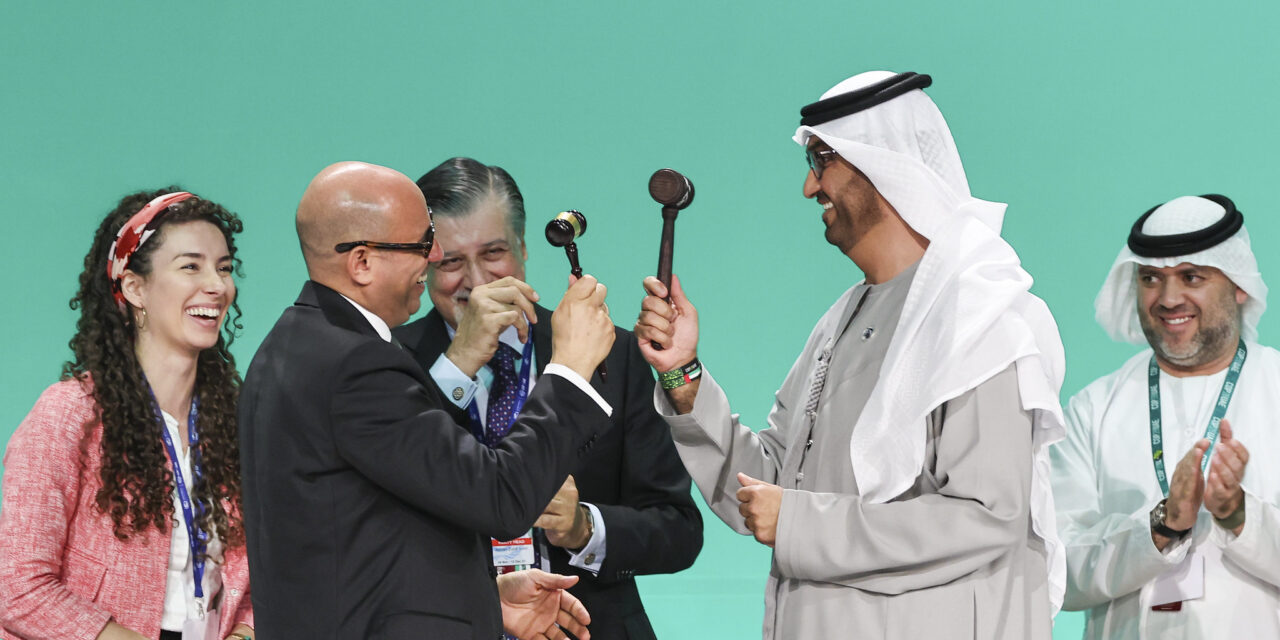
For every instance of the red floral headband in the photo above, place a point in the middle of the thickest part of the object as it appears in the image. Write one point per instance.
(130, 239)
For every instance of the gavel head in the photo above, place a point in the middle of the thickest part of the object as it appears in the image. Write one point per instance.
(566, 227)
(671, 189)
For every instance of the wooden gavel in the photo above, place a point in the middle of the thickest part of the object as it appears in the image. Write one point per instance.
(563, 229)
(674, 192)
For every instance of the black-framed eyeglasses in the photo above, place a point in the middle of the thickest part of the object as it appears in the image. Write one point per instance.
(423, 247)
(819, 159)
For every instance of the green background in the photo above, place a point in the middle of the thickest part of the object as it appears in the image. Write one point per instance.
(1080, 115)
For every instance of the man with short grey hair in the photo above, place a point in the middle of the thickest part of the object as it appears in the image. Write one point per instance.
(625, 509)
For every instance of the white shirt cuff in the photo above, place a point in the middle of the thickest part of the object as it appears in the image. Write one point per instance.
(456, 385)
(591, 557)
(578, 381)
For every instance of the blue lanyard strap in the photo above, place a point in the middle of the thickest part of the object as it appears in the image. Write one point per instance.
(198, 538)
(1210, 432)
(522, 394)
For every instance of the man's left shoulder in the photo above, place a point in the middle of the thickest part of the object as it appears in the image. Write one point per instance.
(1262, 358)
(1263, 352)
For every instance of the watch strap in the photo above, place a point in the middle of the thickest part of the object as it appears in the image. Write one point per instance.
(1158, 525)
(1234, 520)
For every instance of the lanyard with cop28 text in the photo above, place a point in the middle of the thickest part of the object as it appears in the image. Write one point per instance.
(198, 538)
(1210, 432)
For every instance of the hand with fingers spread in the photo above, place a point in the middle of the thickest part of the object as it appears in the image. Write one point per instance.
(1223, 494)
(565, 520)
(759, 504)
(535, 606)
(1186, 492)
(581, 331)
(489, 310)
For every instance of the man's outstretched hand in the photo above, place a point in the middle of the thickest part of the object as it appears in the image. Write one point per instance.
(535, 606)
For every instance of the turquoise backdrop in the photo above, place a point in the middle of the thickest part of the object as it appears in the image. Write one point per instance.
(1081, 115)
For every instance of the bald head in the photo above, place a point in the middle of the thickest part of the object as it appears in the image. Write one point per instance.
(351, 201)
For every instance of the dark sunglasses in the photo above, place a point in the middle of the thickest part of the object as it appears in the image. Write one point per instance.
(819, 159)
(423, 247)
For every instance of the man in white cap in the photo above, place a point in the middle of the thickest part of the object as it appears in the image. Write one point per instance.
(902, 481)
(1170, 531)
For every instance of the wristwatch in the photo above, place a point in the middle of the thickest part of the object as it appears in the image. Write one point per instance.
(591, 529)
(1158, 514)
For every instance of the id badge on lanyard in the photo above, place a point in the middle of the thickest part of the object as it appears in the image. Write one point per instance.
(205, 625)
(518, 553)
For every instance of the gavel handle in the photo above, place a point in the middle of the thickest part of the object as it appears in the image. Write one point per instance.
(574, 268)
(571, 250)
(666, 249)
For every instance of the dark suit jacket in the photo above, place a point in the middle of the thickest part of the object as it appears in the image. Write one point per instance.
(632, 474)
(368, 510)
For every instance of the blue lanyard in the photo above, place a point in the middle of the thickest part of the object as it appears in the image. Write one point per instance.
(1210, 432)
(522, 394)
(197, 538)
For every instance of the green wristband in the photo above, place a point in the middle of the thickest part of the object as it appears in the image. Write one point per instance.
(680, 376)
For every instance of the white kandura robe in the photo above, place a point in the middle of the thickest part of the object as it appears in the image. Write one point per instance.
(952, 557)
(1105, 486)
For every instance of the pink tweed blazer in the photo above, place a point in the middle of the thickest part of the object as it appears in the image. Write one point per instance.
(63, 573)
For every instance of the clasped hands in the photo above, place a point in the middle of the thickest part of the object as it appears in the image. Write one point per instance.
(1221, 494)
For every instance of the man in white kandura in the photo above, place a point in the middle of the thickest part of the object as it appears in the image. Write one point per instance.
(1170, 531)
(903, 480)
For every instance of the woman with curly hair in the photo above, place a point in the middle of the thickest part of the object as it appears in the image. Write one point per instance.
(121, 513)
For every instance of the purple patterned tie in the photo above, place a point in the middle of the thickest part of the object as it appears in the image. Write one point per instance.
(502, 395)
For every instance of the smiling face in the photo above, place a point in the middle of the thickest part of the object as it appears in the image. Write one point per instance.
(399, 277)
(479, 247)
(188, 291)
(850, 203)
(1190, 315)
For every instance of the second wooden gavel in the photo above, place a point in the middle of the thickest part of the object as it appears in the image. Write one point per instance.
(563, 229)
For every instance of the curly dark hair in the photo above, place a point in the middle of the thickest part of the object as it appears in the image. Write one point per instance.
(137, 483)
